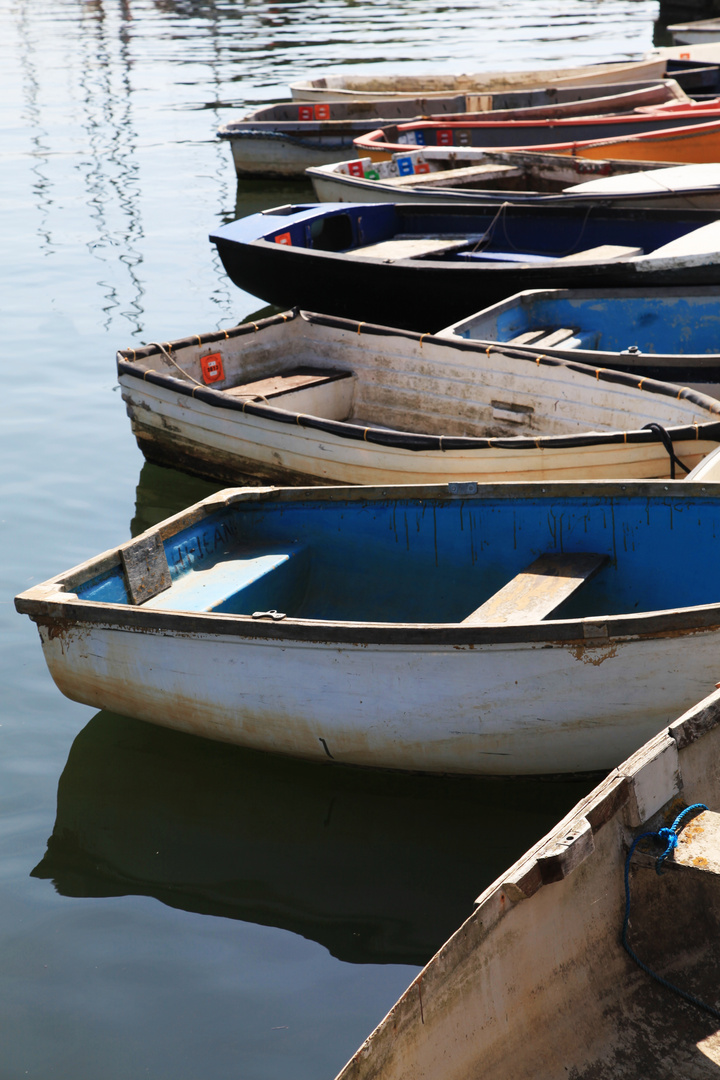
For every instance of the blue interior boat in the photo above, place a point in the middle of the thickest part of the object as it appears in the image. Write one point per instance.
(671, 334)
(507, 629)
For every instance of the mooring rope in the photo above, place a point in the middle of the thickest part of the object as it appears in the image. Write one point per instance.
(666, 440)
(670, 838)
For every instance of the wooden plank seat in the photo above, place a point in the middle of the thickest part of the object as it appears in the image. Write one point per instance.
(538, 590)
(602, 253)
(698, 846)
(543, 339)
(455, 177)
(274, 386)
(215, 587)
(409, 247)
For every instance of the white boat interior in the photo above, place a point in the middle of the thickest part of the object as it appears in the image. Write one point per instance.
(380, 378)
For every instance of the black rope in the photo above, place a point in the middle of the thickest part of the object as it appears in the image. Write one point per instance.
(667, 442)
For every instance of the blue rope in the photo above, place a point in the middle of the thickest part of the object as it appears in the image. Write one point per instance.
(670, 838)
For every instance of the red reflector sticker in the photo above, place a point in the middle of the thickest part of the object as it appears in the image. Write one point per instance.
(444, 137)
(283, 238)
(212, 367)
(305, 112)
(355, 168)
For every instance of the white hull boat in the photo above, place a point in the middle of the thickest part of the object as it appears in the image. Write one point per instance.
(283, 140)
(507, 629)
(367, 87)
(301, 397)
(517, 177)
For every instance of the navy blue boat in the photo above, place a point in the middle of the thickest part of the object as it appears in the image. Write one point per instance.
(422, 267)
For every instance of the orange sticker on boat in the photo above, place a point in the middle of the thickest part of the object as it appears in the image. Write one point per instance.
(322, 112)
(422, 167)
(212, 367)
(305, 112)
(284, 238)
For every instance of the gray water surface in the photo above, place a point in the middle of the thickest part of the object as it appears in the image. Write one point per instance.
(198, 911)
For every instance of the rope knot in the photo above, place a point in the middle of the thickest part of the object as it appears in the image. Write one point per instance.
(671, 841)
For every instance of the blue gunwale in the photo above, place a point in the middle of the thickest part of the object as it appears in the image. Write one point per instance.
(432, 561)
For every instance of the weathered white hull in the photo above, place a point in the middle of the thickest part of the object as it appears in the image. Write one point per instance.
(520, 708)
(539, 421)
(334, 187)
(275, 156)
(339, 87)
(221, 446)
(707, 52)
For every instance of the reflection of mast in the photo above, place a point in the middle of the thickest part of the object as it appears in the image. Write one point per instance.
(221, 293)
(41, 186)
(111, 174)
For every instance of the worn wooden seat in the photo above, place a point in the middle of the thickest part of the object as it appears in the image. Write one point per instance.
(411, 247)
(698, 847)
(602, 253)
(276, 385)
(455, 177)
(544, 339)
(538, 590)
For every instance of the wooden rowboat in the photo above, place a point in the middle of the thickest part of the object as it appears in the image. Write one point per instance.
(685, 136)
(283, 140)
(538, 976)
(366, 87)
(301, 397)
(507, 629)
(517, 177)
(698, 32)
(425, 266)
(666, 333)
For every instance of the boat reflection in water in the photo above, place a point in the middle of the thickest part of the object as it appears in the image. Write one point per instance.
(378, 867)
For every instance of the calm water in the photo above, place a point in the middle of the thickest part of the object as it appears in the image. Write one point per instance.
(197, 911)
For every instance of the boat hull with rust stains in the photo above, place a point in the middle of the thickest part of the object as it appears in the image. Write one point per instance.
(352, 625)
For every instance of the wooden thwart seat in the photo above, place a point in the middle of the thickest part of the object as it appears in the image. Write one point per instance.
(544, 339)
(698, 846)
(276, 385)
(538, 590)
(454, 177)
(411, 247)
(602, 253)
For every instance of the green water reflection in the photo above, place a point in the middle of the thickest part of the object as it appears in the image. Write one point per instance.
(377, 867)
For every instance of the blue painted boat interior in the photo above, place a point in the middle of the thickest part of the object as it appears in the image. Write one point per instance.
(433, 561)
(683, 325)
(341, 227)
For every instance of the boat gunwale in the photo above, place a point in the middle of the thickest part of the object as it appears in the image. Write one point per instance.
(328, 174)
(572, 295)
(53, 604)
(621, 797)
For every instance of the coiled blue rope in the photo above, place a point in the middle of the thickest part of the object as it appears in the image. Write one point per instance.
(670, 837)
